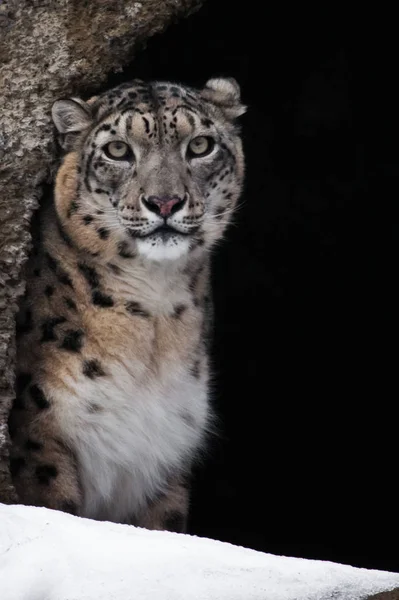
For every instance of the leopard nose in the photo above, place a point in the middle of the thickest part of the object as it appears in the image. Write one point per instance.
(165, 205)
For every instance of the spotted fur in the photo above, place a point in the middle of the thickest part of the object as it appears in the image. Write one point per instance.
(112, 386)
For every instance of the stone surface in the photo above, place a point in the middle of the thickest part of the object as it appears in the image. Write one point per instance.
(49, 49)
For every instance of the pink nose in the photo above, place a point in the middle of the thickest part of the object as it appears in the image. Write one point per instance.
(164, 206)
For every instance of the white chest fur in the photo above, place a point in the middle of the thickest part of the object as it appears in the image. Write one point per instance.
(144, 421)
(129, 438)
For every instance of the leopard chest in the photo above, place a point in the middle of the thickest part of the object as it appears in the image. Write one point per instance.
(140, 416)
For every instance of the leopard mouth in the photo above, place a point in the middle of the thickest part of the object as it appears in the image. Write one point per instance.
(164, 231)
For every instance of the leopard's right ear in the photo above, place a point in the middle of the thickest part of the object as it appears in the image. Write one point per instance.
(71, 115)
(225, 93)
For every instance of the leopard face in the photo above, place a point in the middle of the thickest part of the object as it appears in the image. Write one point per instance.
(163, 163)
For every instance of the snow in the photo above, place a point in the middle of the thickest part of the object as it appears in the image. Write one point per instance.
(49, 555)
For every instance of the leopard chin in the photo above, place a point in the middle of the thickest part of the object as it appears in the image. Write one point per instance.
(159, 247)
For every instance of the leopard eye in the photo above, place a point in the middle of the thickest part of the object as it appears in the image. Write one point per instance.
(117, 150)
(200, 146)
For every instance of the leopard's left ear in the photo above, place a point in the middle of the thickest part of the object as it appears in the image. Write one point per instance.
(224, 92)
(71, 115)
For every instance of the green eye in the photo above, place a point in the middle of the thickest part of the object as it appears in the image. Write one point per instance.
(117, 150)
(200, 146)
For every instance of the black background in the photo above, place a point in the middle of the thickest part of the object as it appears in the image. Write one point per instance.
(306, 338)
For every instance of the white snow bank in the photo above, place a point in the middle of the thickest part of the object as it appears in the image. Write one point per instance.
(48, 555)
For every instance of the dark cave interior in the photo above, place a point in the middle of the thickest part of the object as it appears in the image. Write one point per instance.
(305, 306)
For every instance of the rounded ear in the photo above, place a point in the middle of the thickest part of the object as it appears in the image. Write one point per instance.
(92, 100)
(224, 92)
(71, 115)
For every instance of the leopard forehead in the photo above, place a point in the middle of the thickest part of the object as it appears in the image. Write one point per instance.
(155, 113)
(152, 97)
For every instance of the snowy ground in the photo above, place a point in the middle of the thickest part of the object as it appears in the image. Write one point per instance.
(48, 555)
